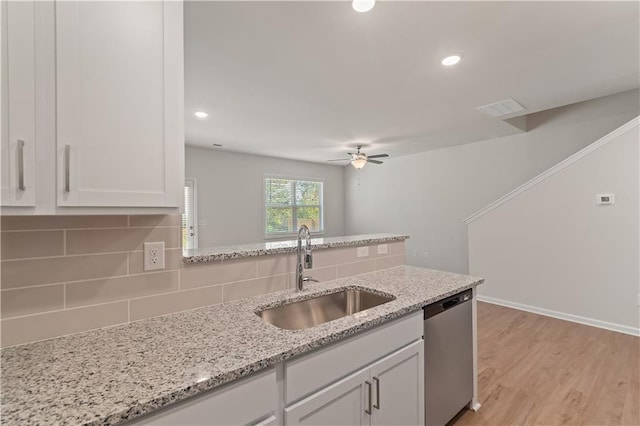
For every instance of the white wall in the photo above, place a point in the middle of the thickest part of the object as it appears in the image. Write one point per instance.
(552, 249)
(428, 195)
(230, 193)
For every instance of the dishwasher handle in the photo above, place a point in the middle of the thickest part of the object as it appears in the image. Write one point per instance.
(447, 303)
(450, 303)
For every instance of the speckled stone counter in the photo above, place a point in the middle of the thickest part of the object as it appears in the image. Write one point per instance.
(280, 247)
(115, 374)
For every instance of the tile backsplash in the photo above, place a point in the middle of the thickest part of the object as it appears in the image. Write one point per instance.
(66, 274)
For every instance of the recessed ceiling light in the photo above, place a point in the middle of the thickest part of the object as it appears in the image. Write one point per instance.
(363, 5)
(201, 114)
(451, 60)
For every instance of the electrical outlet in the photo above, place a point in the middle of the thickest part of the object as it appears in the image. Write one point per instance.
(362, 251)
(153, 256)
(383, 249)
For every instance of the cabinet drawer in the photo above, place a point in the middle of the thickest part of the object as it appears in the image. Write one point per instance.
(247, 401)
(311, 372)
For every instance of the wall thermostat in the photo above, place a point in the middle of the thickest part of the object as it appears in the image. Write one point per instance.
(606, 198)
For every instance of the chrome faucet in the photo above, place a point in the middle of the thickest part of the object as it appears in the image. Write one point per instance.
(308, 259)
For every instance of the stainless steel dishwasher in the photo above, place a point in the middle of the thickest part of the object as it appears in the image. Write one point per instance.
(448, 357)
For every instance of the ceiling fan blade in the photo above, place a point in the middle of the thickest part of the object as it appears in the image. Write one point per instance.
(374, 161)
(351, 154)
(341, 159)
(378, 156)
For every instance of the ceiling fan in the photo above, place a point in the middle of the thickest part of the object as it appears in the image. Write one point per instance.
(359, 159)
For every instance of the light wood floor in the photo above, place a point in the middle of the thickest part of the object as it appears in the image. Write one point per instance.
(544, 371)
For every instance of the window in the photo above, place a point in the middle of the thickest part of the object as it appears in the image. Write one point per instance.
(190, 216)
(290, 203)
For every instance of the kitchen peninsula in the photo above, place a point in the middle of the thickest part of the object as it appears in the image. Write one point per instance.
(117, 374)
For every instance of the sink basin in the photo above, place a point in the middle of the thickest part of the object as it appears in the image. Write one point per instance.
(318, 310)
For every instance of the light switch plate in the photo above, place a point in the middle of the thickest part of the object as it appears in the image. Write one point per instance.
(153, 256)
(362, 251)
(383, 249)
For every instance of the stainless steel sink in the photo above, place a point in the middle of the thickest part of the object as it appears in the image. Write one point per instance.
(318, 310)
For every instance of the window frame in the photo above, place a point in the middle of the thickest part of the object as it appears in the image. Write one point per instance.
(294, 207)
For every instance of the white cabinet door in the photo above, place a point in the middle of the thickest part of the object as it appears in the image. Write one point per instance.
(342, 403)
(18, 104)
(119, 103)
(398, 387)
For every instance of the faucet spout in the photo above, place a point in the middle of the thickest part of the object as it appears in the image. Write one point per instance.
(307, 262)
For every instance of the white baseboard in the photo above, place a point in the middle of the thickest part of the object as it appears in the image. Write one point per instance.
(562, 315)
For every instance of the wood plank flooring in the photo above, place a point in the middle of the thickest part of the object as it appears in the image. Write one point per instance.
(536, 370)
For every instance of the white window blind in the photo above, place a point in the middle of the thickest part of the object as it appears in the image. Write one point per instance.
(190, 216)
(290, 203)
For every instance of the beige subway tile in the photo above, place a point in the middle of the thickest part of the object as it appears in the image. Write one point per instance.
(277, 264)
(155, 220)
(207, 274)
(321, 274)
(111, 240)
(389, 262)
(109, 289)
(172, 260)
(393, 249)
(20, 245)
(61, 222)
(239, 290)
(328, 257)
(32, 300)
(162, 304)
(21, 273)
(26, 329)
(356, 268)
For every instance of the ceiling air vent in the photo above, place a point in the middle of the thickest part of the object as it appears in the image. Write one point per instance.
(498, 109)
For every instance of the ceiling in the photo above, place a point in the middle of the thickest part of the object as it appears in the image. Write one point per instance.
(310, 80)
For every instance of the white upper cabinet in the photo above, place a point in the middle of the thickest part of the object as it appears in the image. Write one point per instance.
(18, 104)
(119, 103)
(92, 94)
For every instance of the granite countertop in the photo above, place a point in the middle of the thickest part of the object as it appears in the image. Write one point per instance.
(280, 247)
(115, 374)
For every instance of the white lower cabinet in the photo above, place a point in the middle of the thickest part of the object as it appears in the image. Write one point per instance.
(373, 378)
(249, 401)
(398, 387)
(389, 392)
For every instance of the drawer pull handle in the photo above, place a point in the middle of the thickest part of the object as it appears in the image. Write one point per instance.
(377, 404)
(368, 411)
(21, 185)
(67, 168)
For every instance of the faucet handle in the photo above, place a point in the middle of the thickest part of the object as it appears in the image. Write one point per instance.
(309, 278)
(308, 259)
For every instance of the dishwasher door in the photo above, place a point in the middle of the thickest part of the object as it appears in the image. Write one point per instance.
(448, 358)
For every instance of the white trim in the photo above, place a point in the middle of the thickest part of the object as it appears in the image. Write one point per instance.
(194, 215)
(555, 169)
(562, 315)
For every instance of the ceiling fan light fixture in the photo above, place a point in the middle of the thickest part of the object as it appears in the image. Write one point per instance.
(363, 5)
(359, 162)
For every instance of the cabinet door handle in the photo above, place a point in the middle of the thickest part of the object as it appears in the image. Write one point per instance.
(21, 186)
(369, 410)
(67, 168)
(377, 404)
